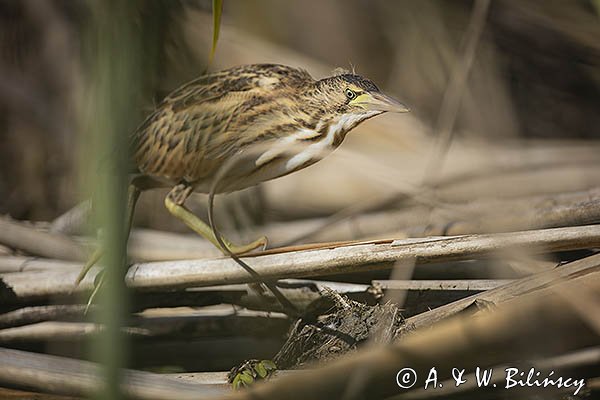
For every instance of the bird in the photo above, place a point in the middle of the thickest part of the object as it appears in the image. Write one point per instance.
(272, 119)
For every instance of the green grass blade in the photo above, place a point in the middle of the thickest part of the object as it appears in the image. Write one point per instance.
(217, 9)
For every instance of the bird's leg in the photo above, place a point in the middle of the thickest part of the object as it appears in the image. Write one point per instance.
(175, 204)
(133, 193)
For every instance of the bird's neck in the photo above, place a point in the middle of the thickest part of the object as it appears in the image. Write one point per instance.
(339, 126)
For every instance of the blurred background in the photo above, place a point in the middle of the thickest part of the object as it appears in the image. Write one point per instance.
(532, 96)
(512, 145)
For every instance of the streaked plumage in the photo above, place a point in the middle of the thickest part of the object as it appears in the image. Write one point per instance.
(273, 119)
(206, 122)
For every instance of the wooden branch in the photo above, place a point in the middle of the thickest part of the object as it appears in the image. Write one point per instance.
(577, 269)
(186, 327)
(31, 315)
(50, 330)
(358, 257)
(447, 284)
(37, 285)
(81, 378)
(22, 264)
(296, 197)
(6, 393)
(157, 276)
(301, 292)
(31, 240)
(483, 215)
(73, 220)
(513, 331)
(478, 216)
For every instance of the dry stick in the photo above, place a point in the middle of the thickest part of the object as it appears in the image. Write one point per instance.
(453, 96)
(21, 264)
(30, 315)
(160, 276)
(454, 92)
(360, 257)
(522, 328)
(82, 378)
(31, 240)
(49, 330)
(301, 292)
(543, 211)
(535, 212)
(447, 284)
(508, 184)
(577, 269)
(75, 377)
(196, 327)
(315, 227)
(73, 219)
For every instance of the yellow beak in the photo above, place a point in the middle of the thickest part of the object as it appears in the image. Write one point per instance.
(376, 101)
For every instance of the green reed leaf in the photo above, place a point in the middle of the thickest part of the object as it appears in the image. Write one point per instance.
(217, 10)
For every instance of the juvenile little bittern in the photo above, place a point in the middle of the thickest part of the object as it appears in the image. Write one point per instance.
(223, 115)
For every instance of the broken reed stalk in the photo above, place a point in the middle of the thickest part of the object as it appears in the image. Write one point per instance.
(349, 258)
(301, 292)
(82, 378)
(477, 216)
(579, 270)
(184, 327)
(359, 257)
(483, 215)
(52, 245)
(445, 284)
(516, 325)
(548, 179)
(32, 315)
(73, 220)
(522, 327)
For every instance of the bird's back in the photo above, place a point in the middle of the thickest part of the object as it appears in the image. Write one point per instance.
(196, 128)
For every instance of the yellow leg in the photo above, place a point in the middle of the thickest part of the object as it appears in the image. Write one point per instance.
(133, 194)
(91, 261)
(95, 292)
(174, 203)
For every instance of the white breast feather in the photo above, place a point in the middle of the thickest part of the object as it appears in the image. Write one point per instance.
(319, 149)
(285, 144)
(313, 150)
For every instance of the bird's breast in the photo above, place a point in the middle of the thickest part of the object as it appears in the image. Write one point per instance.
(307, 146)
(287, 154)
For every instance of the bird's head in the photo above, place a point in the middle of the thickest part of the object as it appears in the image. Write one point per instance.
(355, 98)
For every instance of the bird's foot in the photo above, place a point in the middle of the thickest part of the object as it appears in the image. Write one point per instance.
(91, 261)
(250, 371)
(98, 283)
(260, 243)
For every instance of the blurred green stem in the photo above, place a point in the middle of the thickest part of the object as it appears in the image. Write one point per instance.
(597, 5)
(217, 10)
(114, 65)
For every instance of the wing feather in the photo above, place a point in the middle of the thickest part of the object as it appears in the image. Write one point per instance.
(196, 127)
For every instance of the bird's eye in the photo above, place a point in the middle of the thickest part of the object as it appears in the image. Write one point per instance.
(350, 94)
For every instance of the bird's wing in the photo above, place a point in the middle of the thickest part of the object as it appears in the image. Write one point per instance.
(203, 121)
